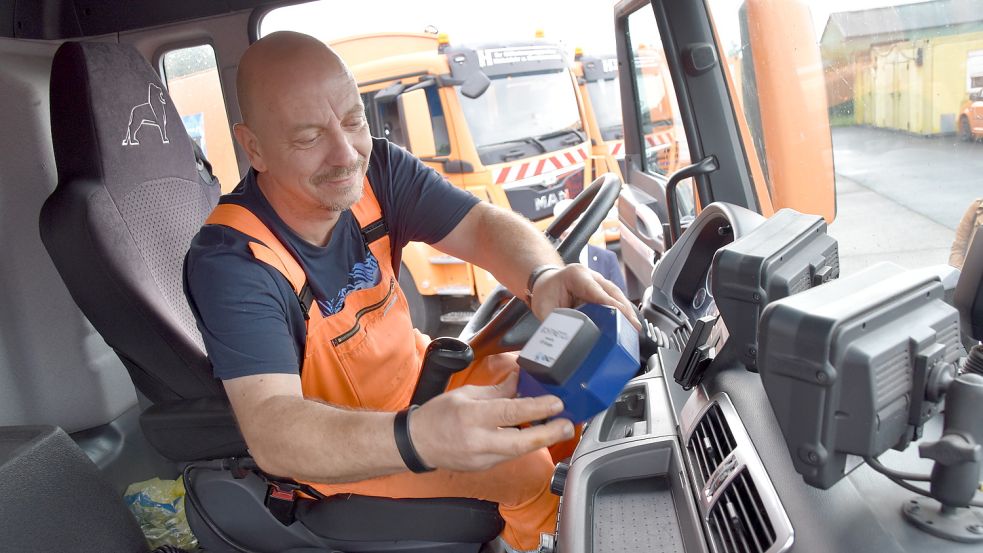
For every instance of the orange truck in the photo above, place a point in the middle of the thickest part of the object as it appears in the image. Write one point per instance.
(597, 77)
(971, 116)
(600, 89)
(503, 121)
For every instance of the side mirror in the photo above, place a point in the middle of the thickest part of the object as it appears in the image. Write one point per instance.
(414, 116)
(475, 85)
(795, 129)
(389, 93)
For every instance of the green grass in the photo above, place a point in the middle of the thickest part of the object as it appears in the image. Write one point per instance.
(842, 120)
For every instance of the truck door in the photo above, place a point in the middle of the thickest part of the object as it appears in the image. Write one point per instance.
(761, 136)
(702, 122)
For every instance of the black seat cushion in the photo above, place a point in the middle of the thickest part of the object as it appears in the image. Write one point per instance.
(128, 202)
(353, 517)
(193, 429)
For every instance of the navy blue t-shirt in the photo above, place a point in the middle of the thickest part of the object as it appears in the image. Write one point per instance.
(249, 316)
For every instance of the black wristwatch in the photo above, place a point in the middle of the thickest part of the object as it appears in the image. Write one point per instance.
(401, 431)
(537, 272)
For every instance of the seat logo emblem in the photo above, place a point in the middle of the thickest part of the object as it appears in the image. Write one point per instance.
(150, 113)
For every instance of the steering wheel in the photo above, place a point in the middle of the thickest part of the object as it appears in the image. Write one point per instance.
(505, 323)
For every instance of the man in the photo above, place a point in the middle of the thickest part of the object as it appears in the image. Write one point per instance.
(606, 263)
(293, 285)
(965, 230)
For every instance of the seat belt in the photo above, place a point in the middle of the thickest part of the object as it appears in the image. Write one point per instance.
(205, 174)
(282, 495)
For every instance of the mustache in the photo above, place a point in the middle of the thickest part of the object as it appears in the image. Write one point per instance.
(336, 173)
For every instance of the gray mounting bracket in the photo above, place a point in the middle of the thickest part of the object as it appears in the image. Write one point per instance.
(955, 524)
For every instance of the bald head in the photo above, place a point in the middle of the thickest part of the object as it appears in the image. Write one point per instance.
(304, 130)
(277, 62)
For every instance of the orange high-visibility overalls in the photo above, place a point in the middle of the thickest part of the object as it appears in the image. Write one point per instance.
(369, 356)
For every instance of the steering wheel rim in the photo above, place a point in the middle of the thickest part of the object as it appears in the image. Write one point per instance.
(505, 323)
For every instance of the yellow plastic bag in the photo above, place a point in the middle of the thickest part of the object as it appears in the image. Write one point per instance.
(158, 506)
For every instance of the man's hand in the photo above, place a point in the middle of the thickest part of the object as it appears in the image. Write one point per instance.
(473, 427)
(576, 284)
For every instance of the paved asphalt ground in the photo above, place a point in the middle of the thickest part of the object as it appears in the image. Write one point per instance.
(900, 197)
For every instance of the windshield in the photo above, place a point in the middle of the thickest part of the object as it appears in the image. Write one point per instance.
(605, 98)
(907, 151)
(656, 108)
(525, 114)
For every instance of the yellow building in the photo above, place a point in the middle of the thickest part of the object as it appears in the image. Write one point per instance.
(904, 67)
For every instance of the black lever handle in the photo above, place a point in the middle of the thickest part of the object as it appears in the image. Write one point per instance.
(706, 165)
(443, 358)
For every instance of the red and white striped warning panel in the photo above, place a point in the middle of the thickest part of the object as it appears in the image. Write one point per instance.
(556, 161)
(663, 138)
(617, 149)
(659, 140)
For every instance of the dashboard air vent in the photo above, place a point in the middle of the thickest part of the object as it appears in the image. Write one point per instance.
(740, 510)
(738, 522)
(710, 443)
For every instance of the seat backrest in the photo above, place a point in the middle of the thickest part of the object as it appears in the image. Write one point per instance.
(128, 202)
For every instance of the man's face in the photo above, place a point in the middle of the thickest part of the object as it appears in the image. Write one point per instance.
(314, 141)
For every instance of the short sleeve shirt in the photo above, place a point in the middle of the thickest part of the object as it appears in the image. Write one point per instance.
(250, 319)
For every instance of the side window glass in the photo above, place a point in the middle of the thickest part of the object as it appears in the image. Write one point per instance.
(440, 135)
(389, 124)
(192, 79)
(663, 139)
(369, 112)
(974, 69)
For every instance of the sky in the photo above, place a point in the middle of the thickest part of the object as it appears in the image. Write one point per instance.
(587, 24)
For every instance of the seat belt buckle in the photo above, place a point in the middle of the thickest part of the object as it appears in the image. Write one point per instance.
(281, 500)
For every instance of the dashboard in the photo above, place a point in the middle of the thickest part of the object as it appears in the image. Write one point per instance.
(692, 290)
(708, 469)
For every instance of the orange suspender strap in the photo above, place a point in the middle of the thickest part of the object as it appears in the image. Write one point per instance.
(271, 251)
(268, 247)
(368, 213)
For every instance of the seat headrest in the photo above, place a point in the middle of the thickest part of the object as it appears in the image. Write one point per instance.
(112, 119)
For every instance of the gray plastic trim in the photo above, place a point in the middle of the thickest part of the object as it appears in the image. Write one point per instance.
(743, 456)
(658, 419)
(648, 459)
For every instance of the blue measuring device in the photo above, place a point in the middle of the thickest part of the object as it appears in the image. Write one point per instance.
(584, 356)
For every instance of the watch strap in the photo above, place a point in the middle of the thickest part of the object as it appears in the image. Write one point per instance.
(537, 272)
(401, 431)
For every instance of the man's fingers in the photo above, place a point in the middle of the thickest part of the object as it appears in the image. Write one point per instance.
(590, 286)
(512, 412)
(513, 442)
(622, 302)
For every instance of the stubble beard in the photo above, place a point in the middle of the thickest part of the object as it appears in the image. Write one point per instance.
(342, 199)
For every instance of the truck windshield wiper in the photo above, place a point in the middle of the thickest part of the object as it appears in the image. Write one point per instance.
(615, 131)
(533, 140)
(525, 140)
(563, 132)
